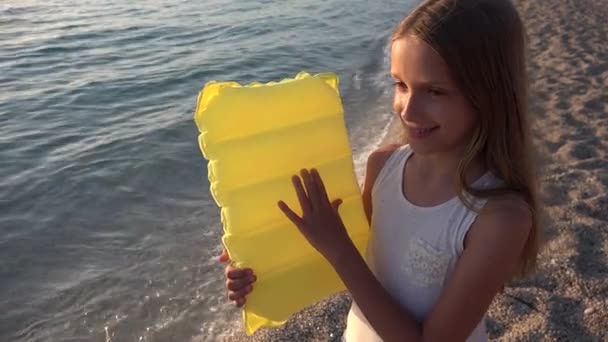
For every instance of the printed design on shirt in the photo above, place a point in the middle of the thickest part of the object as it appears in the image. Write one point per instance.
(424, 264)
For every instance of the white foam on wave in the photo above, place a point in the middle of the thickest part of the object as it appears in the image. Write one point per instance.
(360, 159)
(370, 128)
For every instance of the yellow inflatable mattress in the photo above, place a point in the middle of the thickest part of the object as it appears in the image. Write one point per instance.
(255, 137)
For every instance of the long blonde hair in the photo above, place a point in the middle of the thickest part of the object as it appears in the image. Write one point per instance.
(484, 45)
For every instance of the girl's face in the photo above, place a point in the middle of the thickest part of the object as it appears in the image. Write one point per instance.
(435, 114)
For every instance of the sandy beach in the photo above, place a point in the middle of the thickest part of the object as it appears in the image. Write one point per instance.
(567, 299)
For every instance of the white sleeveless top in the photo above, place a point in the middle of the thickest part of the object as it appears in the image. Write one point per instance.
(413, 250)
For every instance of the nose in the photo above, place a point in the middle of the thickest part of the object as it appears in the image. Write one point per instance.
(408, 107)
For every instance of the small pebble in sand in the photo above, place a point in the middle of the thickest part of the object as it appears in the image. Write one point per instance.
(589, 311)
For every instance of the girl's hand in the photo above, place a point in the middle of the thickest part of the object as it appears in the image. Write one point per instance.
(239, 281)
(320, 223)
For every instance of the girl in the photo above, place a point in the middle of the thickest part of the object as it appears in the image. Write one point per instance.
(453, 211)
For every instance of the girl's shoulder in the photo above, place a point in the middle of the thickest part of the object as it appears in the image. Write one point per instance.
(377, 159)
(380, 155)
(506, 219)
(510, 209)
(375, 162)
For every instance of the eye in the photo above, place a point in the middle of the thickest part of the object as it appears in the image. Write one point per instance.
(435, 92)
(399, 85)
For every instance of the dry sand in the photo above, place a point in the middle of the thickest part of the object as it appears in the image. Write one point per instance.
(567, 300)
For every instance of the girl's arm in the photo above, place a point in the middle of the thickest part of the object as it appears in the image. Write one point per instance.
(494, 245)
(493, 249)
(375, 163)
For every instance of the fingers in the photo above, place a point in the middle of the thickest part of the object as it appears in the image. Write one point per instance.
(319, 186)
(232, 272)
(240, 302)
(311, 188)
(239, 283)
(312, 195)
(291, 215)
(224, 256)
(240, 293)
(238, 297)
(302, 197)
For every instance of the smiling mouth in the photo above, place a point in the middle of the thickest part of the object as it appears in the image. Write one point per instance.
(421, 132)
